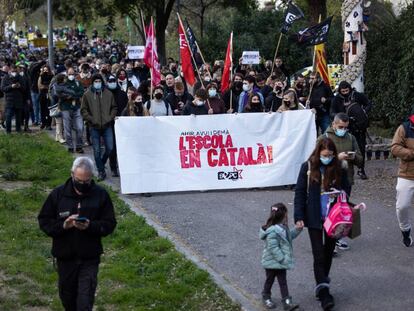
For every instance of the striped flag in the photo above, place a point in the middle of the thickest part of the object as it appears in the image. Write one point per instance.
(151, 55)
(321, 64)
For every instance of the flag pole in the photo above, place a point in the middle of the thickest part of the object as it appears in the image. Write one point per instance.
(277, 50)
(143, 25)
(231, 71)
(313, 67)
(202, 58)
(152, 56)
(191, 52)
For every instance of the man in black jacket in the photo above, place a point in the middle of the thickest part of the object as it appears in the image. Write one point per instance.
(76, 215)
(357, 106)
(320, 100)
(12, 85)
(179, 98)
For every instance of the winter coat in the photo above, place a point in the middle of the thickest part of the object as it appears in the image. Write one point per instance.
(69, 95)
(15, 98)
(72, 243)
(190, 108)
(278, 252)
(307, 200)
(402, 147)
(338, 103)
(319, 91)
(273, 102)
(217, 104)
(98, 108)
(121, 100)
(344, 144)
(173, 100)
(244, 98)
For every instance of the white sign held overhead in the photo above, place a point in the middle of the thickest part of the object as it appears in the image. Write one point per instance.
(136, 52)
(250, 58)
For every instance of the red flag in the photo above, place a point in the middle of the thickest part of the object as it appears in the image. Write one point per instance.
(151, 55)
(225, 80)
(185, 55)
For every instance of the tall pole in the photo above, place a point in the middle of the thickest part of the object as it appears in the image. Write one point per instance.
(50, 35)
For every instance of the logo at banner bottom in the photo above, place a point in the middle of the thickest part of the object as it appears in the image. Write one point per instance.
(232, 175)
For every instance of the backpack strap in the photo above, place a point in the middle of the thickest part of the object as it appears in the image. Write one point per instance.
(167, 106)
(308, 173)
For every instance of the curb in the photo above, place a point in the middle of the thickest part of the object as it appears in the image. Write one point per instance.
(234, 293)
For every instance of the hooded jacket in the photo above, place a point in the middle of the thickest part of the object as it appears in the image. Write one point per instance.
(344, 144)
(278, 251)
(98, 108)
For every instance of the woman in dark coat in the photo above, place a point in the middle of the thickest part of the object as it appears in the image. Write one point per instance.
(321, 173)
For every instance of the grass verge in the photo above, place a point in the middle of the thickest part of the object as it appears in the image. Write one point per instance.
(139, 270)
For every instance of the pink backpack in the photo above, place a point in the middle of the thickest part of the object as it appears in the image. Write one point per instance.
(338, 223)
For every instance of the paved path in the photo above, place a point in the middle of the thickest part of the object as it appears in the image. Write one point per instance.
(221, 228)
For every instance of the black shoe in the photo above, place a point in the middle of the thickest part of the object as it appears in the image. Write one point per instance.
(49, 128)
(147, 195)
(70, 150)
(288, 305)
(115, 173)
(407, 240)
(101, 176)
(27, 130)
(79, 150)
(327, 300)
(269, 304)
(362, 175)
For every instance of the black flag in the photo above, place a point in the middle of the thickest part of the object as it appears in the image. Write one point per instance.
(293, 13)
(192, 42)
(314, 35)
(191, 38)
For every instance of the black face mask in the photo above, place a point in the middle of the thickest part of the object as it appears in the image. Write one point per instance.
(81, 187)
(238, 84)
(158, 96)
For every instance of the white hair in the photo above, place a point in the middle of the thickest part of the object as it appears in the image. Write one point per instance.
(84, 163)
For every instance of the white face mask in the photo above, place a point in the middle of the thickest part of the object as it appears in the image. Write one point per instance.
(246, 87)
(112, 85)
(199, 102)
(13, 74)
(85, 75)
(212, 92)
(21, 73)
(71, 77)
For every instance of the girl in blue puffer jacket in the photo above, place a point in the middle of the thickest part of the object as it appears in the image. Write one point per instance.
(278, 255)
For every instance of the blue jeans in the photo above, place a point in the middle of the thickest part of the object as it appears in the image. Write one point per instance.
(72, 119)
(36, 107)
(17, 113)
(108, 139)
(322, 123)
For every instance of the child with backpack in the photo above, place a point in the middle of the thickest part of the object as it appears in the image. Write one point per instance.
(278, 255)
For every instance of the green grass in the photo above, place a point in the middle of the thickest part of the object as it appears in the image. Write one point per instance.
(139, 270)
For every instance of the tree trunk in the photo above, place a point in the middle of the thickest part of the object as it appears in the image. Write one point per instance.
(160, 26)
(316, 8)
(203, 10)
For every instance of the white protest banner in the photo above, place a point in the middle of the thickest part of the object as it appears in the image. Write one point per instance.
(136, 52)
(250, 58)
(22, 42)
(181, 153)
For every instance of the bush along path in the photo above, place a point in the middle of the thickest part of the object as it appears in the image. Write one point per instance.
(139, 269)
